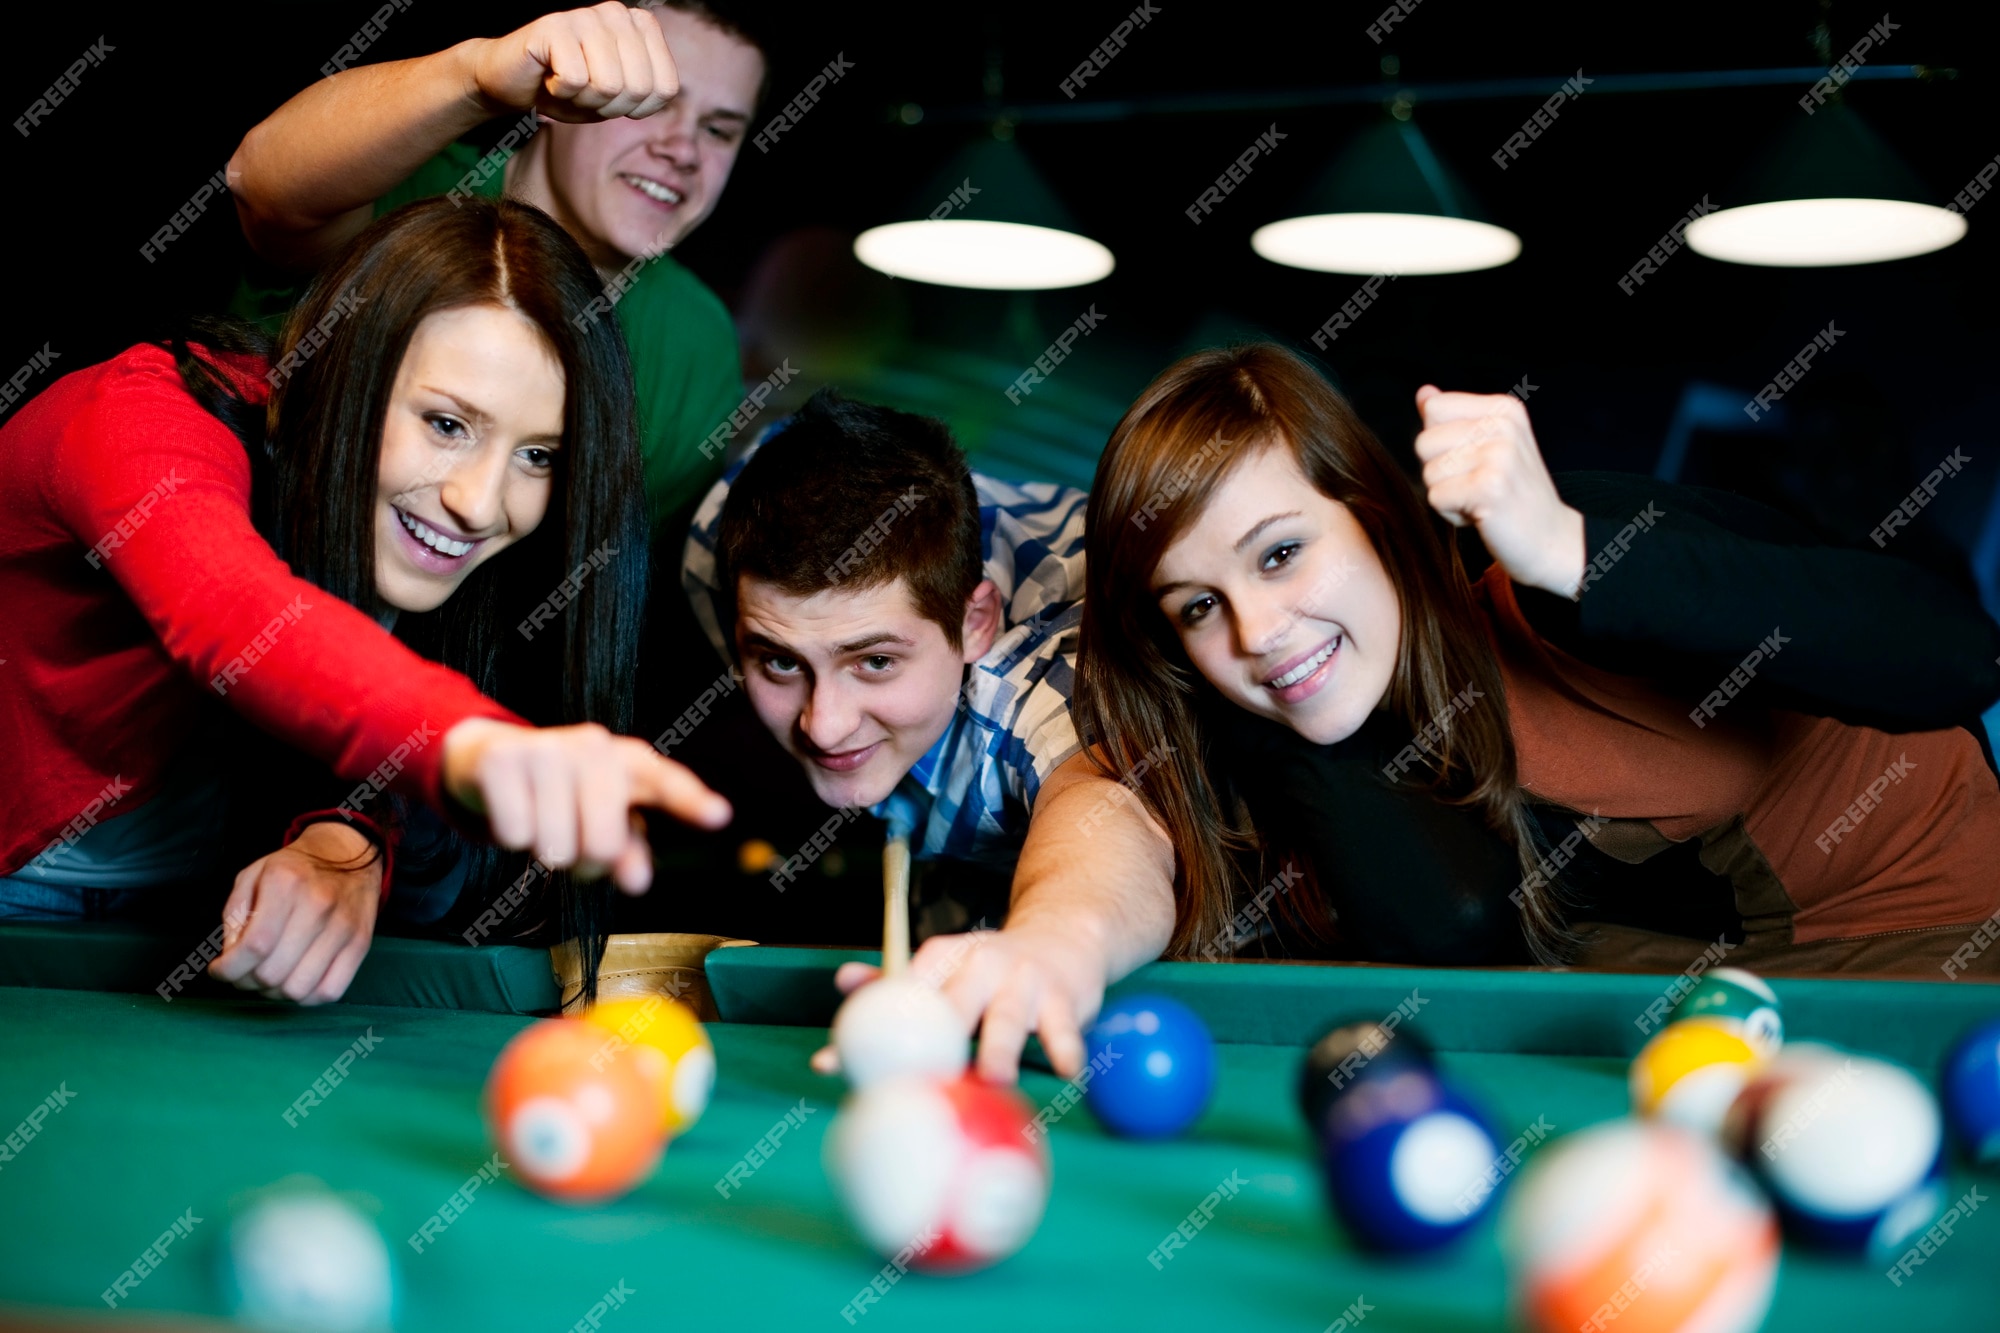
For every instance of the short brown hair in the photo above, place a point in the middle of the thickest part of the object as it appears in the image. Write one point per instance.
(855, 495)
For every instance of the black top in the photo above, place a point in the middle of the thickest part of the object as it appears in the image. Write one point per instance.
(1870, 640)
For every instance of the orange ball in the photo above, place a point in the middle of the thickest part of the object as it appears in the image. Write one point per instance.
(572, 1114)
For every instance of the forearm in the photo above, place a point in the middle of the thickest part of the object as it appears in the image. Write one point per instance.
(306, 177)
(1101, 876)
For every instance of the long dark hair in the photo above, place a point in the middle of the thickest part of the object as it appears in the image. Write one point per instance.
(316, 451)
(1137, 695)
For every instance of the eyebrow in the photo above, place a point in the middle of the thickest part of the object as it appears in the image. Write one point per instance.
(873, 641)
(481, 416)
(724, 113)
(1241, 542)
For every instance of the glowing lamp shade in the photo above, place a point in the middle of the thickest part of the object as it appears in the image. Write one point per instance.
(1387, 204)
(1828, 191)
(986, 220)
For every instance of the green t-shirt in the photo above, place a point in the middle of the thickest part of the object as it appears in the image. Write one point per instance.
(684, 362)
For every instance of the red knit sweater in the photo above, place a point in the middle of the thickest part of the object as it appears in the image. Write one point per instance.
(133, 585)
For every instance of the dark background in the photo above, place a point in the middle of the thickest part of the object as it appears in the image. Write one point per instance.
(1912, 379)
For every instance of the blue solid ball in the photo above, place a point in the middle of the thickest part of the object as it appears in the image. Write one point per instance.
(1972, 1091)
(1152, 1067)
(1410, 1163)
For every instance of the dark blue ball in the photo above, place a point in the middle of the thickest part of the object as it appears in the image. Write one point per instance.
(1152, 1067)
(1410, 1163)
(1972, 1091)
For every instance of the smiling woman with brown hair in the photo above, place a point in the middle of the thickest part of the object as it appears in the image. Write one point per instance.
(1287, 652)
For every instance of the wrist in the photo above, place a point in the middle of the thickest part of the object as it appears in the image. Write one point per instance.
(1569, 557)
(462, 64)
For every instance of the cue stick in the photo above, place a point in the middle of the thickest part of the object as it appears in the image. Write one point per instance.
(896, 905)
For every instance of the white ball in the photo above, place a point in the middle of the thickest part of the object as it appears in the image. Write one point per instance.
(899, 1025)
(309, 1262)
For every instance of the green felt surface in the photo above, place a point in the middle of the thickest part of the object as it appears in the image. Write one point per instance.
(182, 1107)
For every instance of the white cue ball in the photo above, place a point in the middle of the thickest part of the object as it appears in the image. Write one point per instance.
(898, 1025)
(309, 1262)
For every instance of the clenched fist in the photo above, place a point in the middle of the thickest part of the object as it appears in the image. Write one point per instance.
(580, 66)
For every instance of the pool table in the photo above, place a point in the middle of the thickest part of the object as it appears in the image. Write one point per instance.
(176, 1110)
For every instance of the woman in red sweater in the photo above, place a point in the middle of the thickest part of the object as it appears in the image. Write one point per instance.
(425, 503)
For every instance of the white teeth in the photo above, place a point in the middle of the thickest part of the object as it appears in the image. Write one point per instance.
(655, 190)
(437, 542)
(1305, 668)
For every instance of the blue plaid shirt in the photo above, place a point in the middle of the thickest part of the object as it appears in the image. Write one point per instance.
(975, 787)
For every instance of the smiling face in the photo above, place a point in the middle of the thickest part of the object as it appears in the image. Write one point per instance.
(856, 685)
(1280, 601)
(468, 451)
(629, 187)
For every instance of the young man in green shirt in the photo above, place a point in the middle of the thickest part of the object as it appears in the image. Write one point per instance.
(633, 150)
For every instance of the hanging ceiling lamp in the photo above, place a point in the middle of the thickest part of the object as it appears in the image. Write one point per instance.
(987, 220)
(1388, 205)
(1827, 191)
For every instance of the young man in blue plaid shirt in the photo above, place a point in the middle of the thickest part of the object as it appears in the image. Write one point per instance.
(908, 629)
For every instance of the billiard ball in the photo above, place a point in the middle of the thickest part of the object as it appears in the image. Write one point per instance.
(899, 1025)
(1972, 1091)
(1408, 1161)
(570, 1110)
(302, 1258)
(1348, 1054)
(670, 1047)
(1691, 1071)
(1640, 1222)
(1152, 1067)
(940, 1175)
(1738, 997)
(1850, 1148)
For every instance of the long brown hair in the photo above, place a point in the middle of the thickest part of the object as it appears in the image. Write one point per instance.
(1136, 691)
